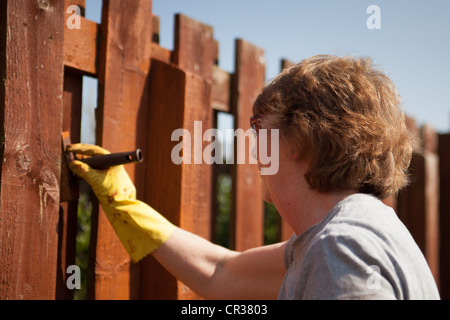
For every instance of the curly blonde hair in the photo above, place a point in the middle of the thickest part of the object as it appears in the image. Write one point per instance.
(346, 118)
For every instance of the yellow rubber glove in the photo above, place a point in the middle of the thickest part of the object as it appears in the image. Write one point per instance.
(140, 228)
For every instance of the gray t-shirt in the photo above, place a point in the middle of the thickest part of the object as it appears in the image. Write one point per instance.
(361, 250)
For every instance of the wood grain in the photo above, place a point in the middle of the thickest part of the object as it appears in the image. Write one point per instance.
(247, 215)
(30, 131)
(221, 90)
(124, 64)
(194, 48)
(179, 96)
(80, 47)
(68, 222)
(71, 122)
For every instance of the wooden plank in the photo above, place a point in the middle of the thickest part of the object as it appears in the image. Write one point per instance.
(214, 188)
(418, 206)
(429, 138)
(194, 49)
(176, 191)
(221, 90)
(163, 191)
(432, 212)
(196, 186)
(80, 47)
(30, 132)
(411, 124)
(216, 53)
(195, 52)
(247, 202)
(155, 29)
(444, 214)
(71, 122)
(124, 64)
(189, 192)
(403, 198)
(161, 54)
(411, 201)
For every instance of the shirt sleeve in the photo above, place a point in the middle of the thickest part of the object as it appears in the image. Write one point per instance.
(339, 267)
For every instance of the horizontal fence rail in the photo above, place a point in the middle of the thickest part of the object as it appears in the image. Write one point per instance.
(145, 92)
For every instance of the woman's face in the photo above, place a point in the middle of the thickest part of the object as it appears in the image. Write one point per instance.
(277, 162)
(273, 181)
(266, 150)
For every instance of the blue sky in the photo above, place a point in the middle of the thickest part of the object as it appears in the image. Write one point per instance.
(412, 46)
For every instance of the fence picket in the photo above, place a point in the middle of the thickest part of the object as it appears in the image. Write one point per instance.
(30, 137)
(418, 204)
(247, 213)
(124, 63)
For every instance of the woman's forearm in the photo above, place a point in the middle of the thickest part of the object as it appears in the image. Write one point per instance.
(215, 272)
(191, 259)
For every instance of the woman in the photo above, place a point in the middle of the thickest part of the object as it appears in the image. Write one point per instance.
(344, 146)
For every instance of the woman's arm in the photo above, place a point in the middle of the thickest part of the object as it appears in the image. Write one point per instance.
(215, 272)
(210, 270)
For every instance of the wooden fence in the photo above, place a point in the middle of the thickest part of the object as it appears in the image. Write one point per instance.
(145, 92)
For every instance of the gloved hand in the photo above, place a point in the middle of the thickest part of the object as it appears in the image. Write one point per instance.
(140, 228)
